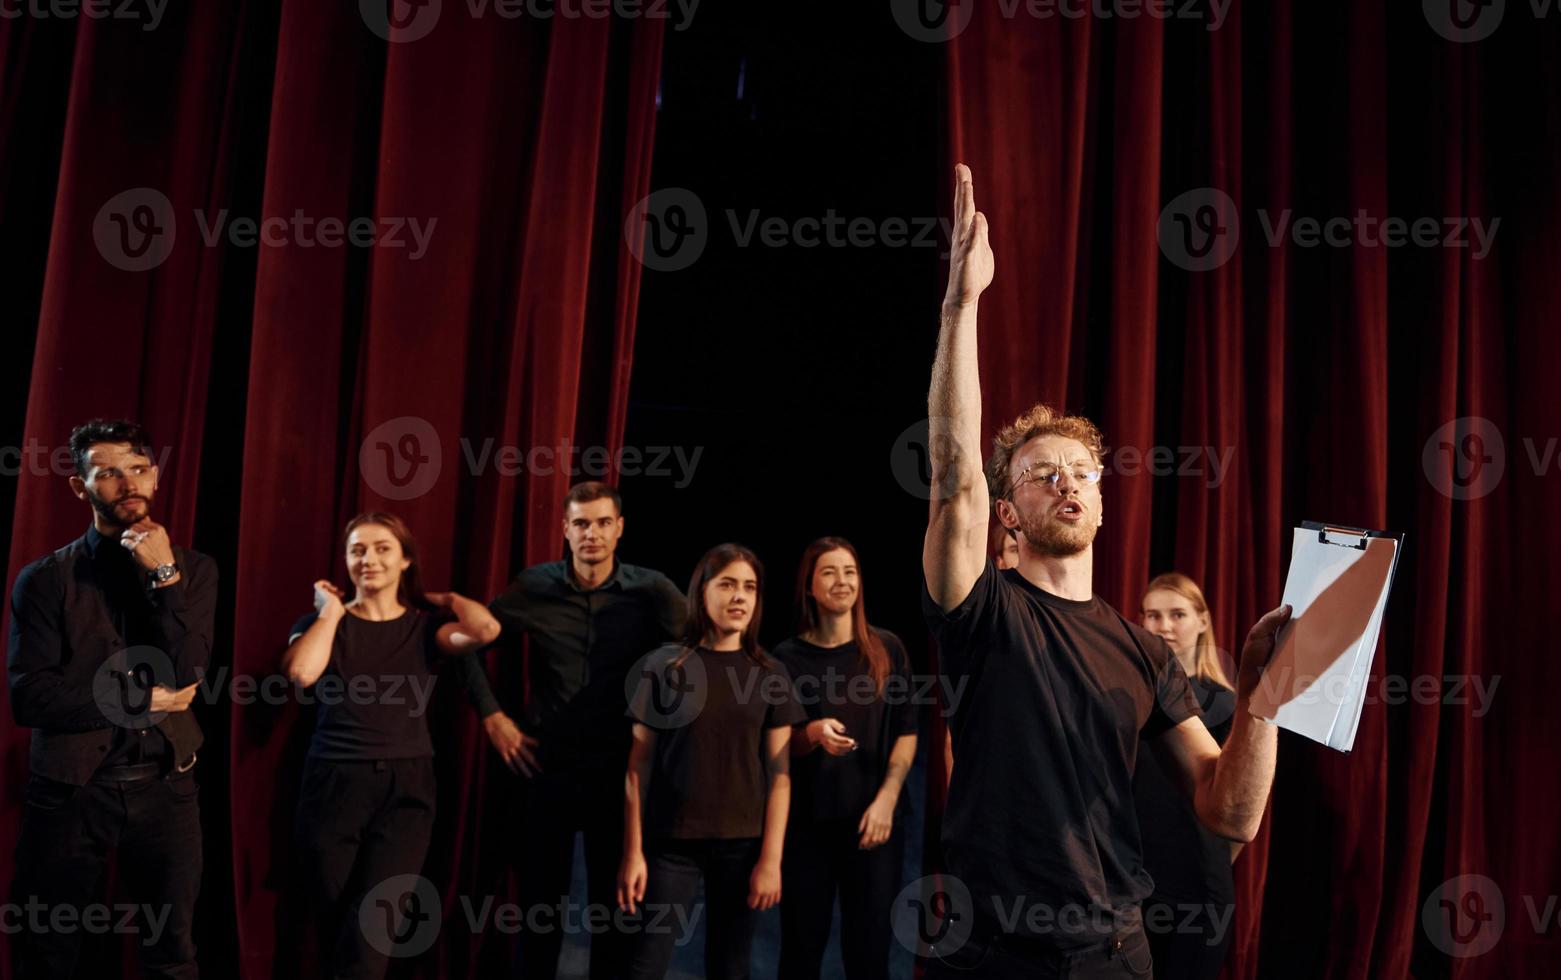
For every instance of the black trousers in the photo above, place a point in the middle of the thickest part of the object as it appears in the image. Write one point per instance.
(360, 824)
(564, 799)
(821, 858)
(673, 876)
(1189, 939)
(153, 825)
(992, 955)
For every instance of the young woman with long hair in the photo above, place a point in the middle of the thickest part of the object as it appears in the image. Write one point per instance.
(707, 790)
(850, 760)
(366, 807)
(1188, 917)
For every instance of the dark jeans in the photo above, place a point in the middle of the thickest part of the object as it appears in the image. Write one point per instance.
(360, 824)
(1189, 943)
(992, 955)
(821, 857)
(562, 800)
(153, 825)
(672, 881)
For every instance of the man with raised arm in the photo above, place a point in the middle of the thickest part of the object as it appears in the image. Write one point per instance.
(1040, 828)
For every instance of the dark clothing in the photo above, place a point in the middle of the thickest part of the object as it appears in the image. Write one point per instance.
(89, 639)
(74, 611)
(1189, 864)
(829, 795)
(822, 857)
(1040, 810)
(360, 824)
(990, 954)
(834, 682)
(153, 825)
(583, 643)
(553, 807)
(710, 776)
(372, 697)
(673, 871)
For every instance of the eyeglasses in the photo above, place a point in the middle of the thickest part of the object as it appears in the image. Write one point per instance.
(1049, 473)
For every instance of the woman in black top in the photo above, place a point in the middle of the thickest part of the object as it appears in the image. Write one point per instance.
(1189, 916)
(366, 806)
(850, 760)
(707, 788)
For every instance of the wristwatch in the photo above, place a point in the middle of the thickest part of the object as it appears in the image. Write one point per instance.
(163, 573)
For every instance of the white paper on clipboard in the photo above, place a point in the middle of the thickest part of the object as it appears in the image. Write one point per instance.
(1337, 590)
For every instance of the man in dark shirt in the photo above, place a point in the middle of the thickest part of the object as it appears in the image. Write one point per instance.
(589, 619)
(109, 636)
(1040, 829)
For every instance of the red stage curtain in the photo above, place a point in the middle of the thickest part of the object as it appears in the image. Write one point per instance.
(282, 377)
(1324, 372)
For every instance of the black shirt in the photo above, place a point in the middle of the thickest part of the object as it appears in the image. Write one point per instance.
(1188, 863)
(583, 642)
(74, 609)
(1040, 809)
(710, 778)
(834, 682)
(372, 700)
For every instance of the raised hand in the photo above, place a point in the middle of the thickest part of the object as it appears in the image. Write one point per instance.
(328, 599)
(148, 542)
(970, 257)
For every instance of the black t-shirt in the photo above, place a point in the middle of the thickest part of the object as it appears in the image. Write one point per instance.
(1188, 863)
(1057, 695)
(710, 778)
(371, 701)
(834, 682)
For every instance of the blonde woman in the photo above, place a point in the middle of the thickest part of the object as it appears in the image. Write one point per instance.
(1188, 917)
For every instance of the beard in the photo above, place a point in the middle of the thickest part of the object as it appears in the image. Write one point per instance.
(1054, 538)
(108, 509)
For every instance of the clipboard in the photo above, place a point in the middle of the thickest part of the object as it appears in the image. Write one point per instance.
(1337, 588)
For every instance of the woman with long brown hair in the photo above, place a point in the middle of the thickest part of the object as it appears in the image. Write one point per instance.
(708, 789)
(366, 808)
(1188, 917)
(850, 761)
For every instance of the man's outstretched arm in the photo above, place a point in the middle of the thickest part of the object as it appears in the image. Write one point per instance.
(954, 549)
(1229, 787)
